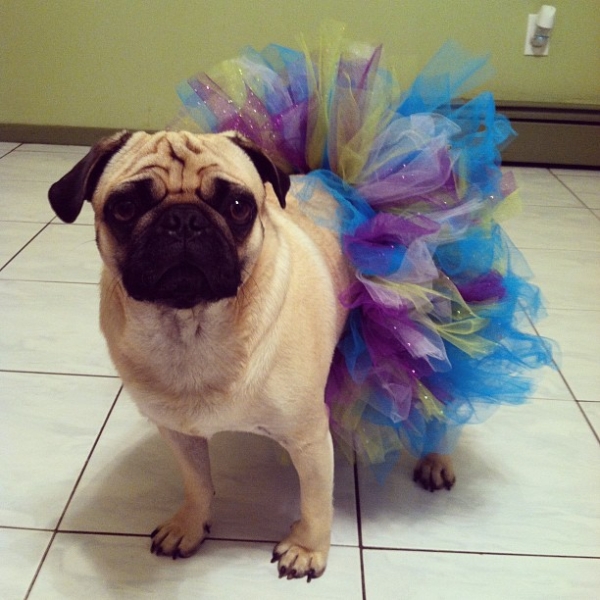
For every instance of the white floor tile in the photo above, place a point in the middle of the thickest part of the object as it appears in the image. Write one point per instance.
(551, 386)
(548, 382)
(132, 484)
(58, 254)
(93, 566)
(590, 200)
(576, 173)
(51, 327)
(527, 479)
(81, 151)
(20, 554)
(43, 451)
(569, 279)
(585, 185)
(538, 187)
(578, 334)
(527, 482)
(45, 167)
(577, 184)
(592, 412)
(14, 237)
(6, 147)
(555, 228)
(24, 201)
(391, 575)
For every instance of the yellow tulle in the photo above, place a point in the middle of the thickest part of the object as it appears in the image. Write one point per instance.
(366, 113)
(464, 324)
(432, 407)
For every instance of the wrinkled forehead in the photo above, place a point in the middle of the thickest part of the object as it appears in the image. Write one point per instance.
(182, 162)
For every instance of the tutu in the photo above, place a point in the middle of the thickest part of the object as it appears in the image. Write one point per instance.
(433, 339)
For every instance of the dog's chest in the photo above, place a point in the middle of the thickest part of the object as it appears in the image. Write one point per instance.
(187, 354)
(195, 375)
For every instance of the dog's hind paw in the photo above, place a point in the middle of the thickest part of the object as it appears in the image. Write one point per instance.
(180, 536)
(435, 472)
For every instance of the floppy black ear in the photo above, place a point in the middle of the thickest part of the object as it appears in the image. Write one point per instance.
(68, 193)
(266, 168)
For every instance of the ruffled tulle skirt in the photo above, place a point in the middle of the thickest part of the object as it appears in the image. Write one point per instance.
(437, 334)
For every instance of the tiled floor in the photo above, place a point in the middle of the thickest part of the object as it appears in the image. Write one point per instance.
(84, 478)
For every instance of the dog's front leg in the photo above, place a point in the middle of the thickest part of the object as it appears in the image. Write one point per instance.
(304, 552)
(182, 535)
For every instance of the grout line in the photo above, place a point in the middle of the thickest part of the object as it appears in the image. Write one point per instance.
(587, 420)
(22, 279)
(359, 528)
(554, 359)
(91, 452)
(12, 150)
(60, 520)
(566, 186)
(106, 533)
(481, 553)
(209, 538)
(39, 567)
(18, 528)
(23, 247)
(24, 372)
(26, 221)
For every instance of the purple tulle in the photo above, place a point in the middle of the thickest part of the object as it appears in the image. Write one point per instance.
(433, 337)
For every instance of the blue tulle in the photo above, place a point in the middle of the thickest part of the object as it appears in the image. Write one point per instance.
(435, 335)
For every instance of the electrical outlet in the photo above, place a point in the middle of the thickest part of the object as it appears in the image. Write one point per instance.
(529, 49)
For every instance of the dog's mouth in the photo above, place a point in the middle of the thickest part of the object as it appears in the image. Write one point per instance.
(183, 286)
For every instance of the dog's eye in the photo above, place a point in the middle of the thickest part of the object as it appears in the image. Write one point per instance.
(240, 211)
(124, 210)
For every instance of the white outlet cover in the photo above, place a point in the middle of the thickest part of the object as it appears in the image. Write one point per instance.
(529, 49)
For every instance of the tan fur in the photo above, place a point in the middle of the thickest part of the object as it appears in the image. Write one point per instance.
(257, 362)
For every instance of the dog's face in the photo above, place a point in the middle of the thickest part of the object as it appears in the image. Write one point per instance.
(178, 216)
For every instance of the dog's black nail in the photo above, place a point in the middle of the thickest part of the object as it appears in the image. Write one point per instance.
(155, 532)
(292, 574)
(310, 575)
(282, 572)
(276, 556)
(177, 551)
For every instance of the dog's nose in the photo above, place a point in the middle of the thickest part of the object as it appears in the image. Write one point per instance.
(183, 221)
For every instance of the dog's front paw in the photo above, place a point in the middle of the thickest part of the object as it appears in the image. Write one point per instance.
(435, 472)
(180, 536)
(296, 560)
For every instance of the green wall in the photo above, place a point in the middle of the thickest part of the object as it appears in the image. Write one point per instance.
(115, 63)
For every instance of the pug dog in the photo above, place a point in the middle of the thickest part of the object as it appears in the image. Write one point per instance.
(219, 304)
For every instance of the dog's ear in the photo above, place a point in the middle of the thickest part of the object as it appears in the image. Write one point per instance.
(68, 193)
(266, 168)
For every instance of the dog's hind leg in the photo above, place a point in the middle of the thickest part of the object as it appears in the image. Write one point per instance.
(182, 535)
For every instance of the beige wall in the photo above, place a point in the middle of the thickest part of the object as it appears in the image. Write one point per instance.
(115, 63)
